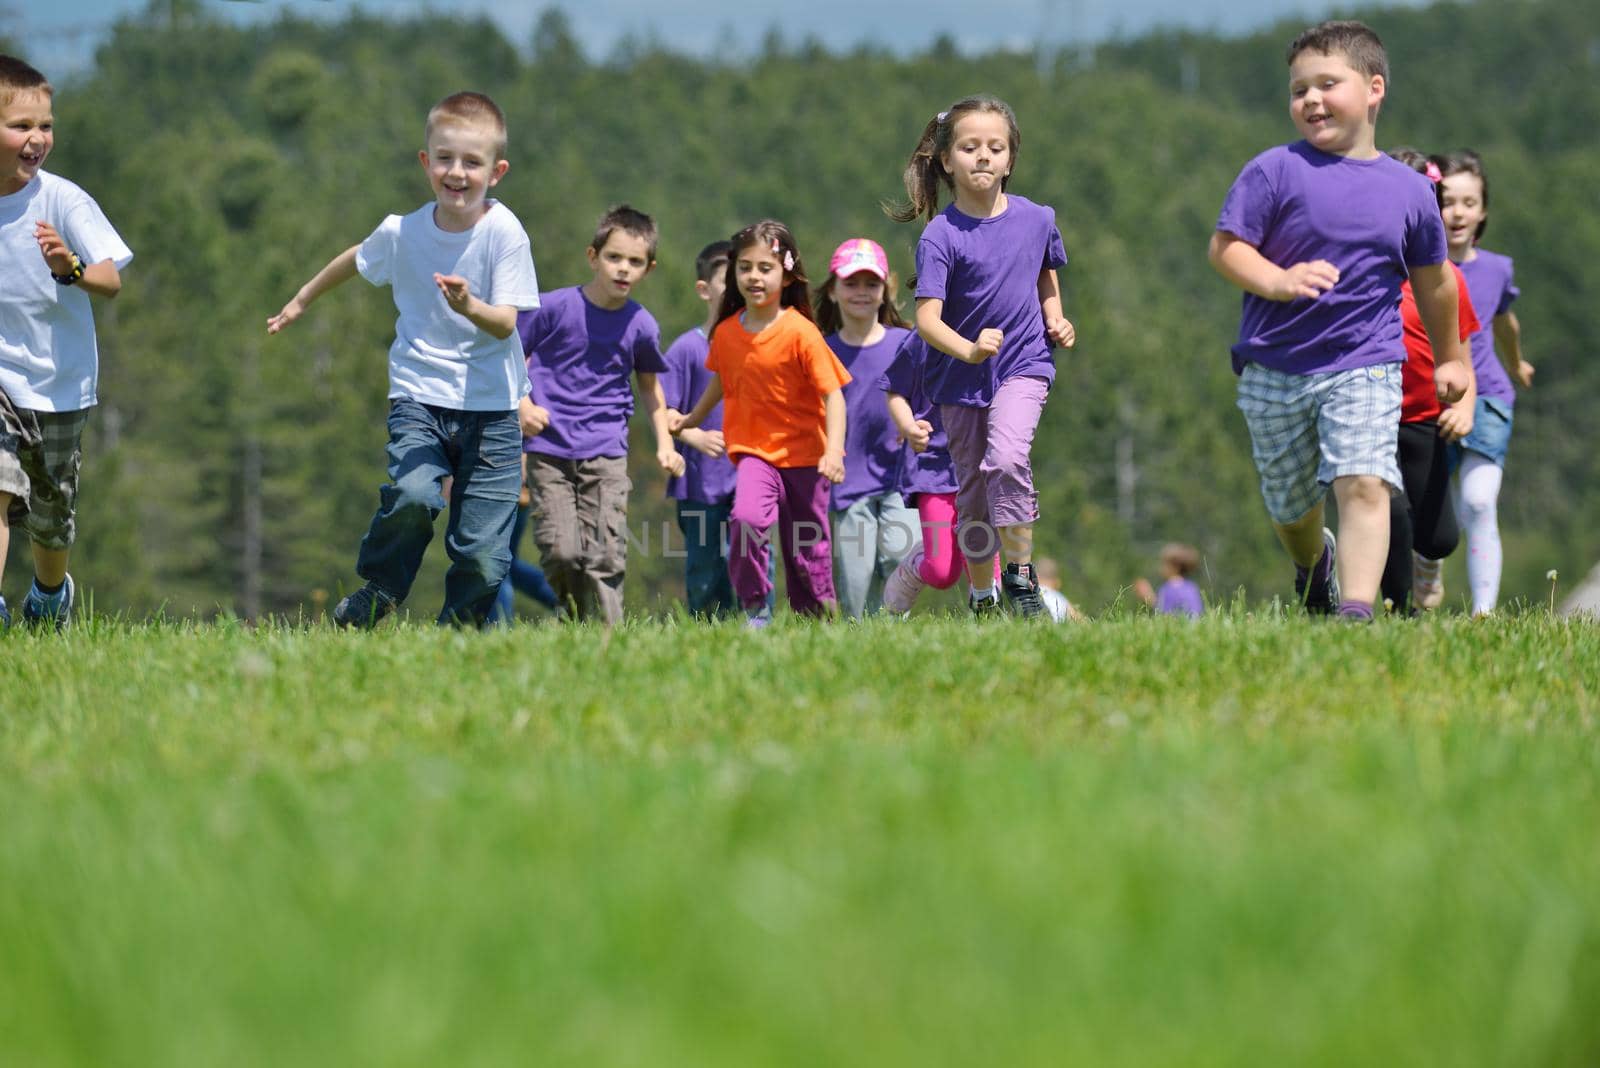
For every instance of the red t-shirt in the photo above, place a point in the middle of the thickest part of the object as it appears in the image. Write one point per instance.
(1421, 402)
(773, 383)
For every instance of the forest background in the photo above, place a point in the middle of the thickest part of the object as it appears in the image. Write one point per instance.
(229, 473)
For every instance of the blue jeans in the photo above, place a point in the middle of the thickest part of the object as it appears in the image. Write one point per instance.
(707, 590)
(481, 452)
(524, 578)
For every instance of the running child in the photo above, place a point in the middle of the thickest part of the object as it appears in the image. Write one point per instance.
(1178, 595)
(56, 250)
(989, 303)
(1320, 234)
(583, 343)
(1497, 361)
(784, 422)
(1422, 524)
(704, 492)
(927, 481)
(460, 270)
(873, 530)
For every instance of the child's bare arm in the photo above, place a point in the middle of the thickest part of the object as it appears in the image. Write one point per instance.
(1435, 290)
(655, 408)
(831, 466)
(1243, 264)
(1507, 342)
(1056, 325)
(339, 270)
(702, 407)
(936, 332)
(102, 279)
(913, 430)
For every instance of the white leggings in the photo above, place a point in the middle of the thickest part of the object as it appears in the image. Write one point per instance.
(1476, 495)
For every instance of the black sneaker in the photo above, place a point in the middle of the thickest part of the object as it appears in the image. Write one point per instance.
(1320, 598)
(363, 609)
(1021, 588)
(5, 615)
(983, 607)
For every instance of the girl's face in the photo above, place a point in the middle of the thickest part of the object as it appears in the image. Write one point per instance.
(759, 274)
(1461, 204)
(979, 156)
(859, 296)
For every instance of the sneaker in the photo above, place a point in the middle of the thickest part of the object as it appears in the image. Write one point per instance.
(363, 609)
(1427, 590)
(1320, 595)
(5, 615)
(39, 607)
(900, 591)
(983, 607)
(1021, 588)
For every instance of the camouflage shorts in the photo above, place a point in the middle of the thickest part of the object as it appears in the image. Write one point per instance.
(40, 453)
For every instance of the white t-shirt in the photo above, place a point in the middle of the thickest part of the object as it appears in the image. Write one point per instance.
(439, 357)
(49, 361)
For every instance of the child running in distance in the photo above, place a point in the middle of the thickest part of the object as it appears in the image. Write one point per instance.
(1422, 524)
(783, 422)
(1320, 234)
(873, 530)
(1178, 596)
(460, 270)
(928, 481)
(989, 303)
(583, 344)
(1497, 361)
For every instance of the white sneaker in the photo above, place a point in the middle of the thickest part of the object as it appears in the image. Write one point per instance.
(901, 588)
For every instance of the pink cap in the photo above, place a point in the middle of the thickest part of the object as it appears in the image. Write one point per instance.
(857, 255)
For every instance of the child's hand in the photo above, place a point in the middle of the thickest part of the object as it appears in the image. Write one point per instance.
(457, 291)
(54, 246)
(1455, 422)
(831, 467)
(669, 460)
(1309, 280)
(1143, 590)
(291, 311)
(918, 434)
(1451, 380)
(675, 421)
(1524, 374)
(708, 442)
(986, 346)
(1061, 332)
(532, 417)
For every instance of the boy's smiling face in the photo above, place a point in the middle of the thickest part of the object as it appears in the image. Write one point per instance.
(462, 164)
(1333, 105)
(27, 133)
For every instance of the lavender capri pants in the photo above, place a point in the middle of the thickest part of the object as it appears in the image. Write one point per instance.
(990, 447)
(795, 499)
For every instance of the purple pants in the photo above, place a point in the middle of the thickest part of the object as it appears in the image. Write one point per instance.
(990, 448)
(796, 500)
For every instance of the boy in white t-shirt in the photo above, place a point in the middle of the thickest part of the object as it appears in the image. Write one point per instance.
(460, 269)
(56, 248)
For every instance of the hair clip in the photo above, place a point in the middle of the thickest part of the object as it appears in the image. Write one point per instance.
(788, 261)
(1435, 175)
(777, 246)
(943, 115)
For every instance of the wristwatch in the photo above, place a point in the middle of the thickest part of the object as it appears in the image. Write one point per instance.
(72, 276)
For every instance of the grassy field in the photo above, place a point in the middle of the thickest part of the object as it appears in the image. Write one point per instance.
(1249, 841)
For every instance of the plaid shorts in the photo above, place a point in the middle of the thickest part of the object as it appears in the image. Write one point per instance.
(1307, 430)
(40, 453)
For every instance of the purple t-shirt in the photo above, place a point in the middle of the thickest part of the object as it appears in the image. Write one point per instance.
(1179, 596)
(872, 455)
(1489, 281)
(1371, 218)
(704, 479)
(987, 273)
(931, 470)
(579, 360)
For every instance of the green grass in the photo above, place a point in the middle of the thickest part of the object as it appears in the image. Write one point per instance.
(1251, 841)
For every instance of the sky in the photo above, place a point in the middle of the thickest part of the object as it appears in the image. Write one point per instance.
(60, 36)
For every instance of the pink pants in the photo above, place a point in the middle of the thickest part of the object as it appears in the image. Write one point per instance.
(937, 562)
(990, 448)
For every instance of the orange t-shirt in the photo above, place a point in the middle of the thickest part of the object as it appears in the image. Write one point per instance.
(772, 388)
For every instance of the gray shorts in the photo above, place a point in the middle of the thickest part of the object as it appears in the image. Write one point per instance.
(40, 453)
(1307, 430)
